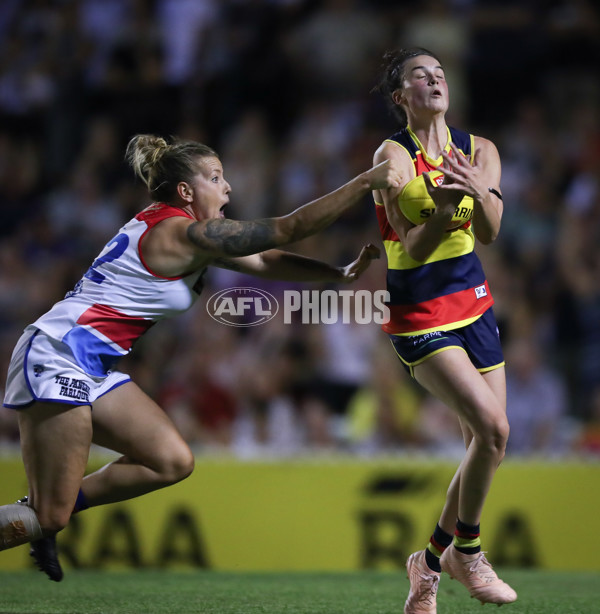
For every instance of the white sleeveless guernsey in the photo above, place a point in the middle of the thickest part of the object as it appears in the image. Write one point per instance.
(119, 298)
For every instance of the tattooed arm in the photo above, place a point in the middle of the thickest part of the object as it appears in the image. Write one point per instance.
(286, 266)
(178, 246)
(223, 238)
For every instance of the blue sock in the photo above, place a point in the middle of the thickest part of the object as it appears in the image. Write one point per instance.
(81, 502)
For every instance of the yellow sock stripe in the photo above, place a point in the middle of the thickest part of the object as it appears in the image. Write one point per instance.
(461, 542)
(434, 550)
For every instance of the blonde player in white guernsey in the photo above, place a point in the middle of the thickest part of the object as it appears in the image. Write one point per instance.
(63, 367)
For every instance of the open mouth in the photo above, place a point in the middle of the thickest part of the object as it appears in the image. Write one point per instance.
(222, 210)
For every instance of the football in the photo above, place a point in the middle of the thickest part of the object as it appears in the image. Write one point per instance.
(417, 206)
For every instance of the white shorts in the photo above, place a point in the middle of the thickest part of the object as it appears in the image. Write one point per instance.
(44, 369)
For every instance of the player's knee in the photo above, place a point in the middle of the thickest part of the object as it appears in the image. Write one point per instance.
(178, 465)
(501, 433)
(184, 464)
(53, 518)
(494, 436)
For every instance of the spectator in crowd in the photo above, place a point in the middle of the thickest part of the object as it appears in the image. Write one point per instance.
(536, 401)
(271, 394)
(203, 410)
(333, 50)
(383, 415)
(587, 440)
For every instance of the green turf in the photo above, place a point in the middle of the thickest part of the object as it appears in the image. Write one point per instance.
(162, 592)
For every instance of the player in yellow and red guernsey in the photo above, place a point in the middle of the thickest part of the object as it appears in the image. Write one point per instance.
(442, 326)
(63, 366)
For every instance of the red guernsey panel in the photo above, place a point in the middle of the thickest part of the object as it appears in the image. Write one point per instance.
(119, 327)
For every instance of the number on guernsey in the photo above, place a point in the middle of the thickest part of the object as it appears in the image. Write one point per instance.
(114, 248)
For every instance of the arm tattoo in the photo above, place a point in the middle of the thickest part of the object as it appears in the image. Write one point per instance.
(233, 238)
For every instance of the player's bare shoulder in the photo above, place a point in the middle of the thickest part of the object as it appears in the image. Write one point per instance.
(167, 250)
(389, 150)
(487, 149)
(169, 233)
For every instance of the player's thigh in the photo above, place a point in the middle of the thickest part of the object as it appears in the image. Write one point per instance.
(452, 378)
(496, 380)
(55, 444)
(128, 421)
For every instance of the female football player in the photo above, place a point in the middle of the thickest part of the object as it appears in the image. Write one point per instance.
(62, 375)
(442, 326)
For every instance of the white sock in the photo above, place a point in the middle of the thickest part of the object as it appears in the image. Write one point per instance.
(18, 525)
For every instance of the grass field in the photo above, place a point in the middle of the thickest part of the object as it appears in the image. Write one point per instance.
(167, 592)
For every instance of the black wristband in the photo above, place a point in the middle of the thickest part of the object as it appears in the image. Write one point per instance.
(495, 192)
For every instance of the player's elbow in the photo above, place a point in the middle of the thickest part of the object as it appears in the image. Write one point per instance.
(486, 229)
(488, 236)
(418, 253)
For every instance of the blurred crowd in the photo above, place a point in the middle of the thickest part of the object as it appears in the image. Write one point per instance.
(282, 89)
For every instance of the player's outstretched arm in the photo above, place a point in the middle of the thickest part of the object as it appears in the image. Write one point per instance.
(222, 237)
(287, 266)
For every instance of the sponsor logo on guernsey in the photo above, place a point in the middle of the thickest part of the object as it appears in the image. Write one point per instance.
(480, 291)
(72, 388)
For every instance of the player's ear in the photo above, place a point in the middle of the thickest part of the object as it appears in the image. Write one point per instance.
(398, 97)
(185, 191)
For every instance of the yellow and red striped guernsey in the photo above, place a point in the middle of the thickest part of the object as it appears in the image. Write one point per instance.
(449, 289)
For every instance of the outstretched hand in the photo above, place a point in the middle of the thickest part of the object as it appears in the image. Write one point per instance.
(355, 269)
(383, 176)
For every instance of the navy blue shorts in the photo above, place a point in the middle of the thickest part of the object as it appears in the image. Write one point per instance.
(480, 340)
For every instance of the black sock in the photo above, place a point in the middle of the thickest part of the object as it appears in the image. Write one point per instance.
(438, 542)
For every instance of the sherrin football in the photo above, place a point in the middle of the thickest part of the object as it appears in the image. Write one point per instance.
(417, 206)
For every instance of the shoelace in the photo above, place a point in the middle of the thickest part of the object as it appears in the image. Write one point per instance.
(481, 562)
(429, 590)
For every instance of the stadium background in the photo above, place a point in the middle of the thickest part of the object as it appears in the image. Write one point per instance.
(313, 432)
